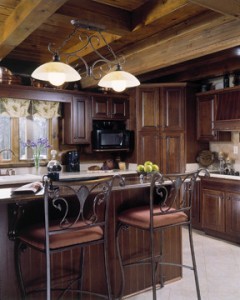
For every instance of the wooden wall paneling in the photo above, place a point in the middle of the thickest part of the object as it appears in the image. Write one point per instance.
(8, 281)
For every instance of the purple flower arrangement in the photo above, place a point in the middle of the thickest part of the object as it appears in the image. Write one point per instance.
(37, 147)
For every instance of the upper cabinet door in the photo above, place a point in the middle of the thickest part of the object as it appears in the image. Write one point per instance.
(77, 121)
(120, 108)
(172, 110)
(101, 107)
(205, 118)
(104, 107)
(147, 108)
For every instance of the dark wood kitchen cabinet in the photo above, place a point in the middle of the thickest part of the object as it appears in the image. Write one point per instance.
(213, 211)
(206, 120)
(105, 107)
(161, 108)
(77, 121)
(166, 150)
(161, 125)
(220, 206)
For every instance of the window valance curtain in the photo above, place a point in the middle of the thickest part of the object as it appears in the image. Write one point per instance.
(17, 108)
(45, 109)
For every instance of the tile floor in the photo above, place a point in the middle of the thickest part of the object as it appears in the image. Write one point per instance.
(218, 270)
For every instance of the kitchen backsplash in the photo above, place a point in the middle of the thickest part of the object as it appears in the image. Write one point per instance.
(229, 149)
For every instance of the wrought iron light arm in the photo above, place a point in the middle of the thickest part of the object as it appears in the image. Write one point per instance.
(60, 72)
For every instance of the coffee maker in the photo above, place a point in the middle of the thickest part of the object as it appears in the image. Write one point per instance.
(71, 160)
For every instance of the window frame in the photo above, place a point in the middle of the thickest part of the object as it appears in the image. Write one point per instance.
(15, 161)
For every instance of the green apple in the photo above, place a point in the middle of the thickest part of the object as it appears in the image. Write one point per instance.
(155, 167)
(148, 168)
(140, 168)
(148, 162)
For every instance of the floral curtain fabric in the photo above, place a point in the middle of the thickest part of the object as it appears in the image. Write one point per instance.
(17, 108)
(45, 109)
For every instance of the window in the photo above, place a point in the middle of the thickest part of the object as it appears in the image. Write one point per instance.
(29, 128)
(5, 137)
(22, 120)
(32, 128)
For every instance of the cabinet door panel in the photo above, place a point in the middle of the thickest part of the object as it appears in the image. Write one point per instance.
(77, 121)
(213, 216)
(232, 214)
(172, 146)
(172, 112)
(120, 108)
(148, 147)
(205, 118)
(81, 132)
(148, 109)
(101, 108)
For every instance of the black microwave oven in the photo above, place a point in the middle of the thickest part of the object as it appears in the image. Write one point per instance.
(109, 139)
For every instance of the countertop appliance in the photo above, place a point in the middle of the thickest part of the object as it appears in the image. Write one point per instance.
(72, 161)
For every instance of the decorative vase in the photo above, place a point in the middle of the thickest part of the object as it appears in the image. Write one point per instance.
(36, 159)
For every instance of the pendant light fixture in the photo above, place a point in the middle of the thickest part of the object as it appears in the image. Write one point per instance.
(118, 80)
(57, 72)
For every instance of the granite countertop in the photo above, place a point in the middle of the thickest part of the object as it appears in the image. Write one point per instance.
(132, 180)
(6, 195)
(26, 178)
(223, 176)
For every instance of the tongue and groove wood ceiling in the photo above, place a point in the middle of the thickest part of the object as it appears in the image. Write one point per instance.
(180, 39)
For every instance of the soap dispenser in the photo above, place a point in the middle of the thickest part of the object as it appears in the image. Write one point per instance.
(54, 167)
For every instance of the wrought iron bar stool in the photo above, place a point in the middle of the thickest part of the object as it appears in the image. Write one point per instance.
(75, 215)
(169, 205)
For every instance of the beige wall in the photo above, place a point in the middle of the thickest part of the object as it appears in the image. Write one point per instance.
(228, 149)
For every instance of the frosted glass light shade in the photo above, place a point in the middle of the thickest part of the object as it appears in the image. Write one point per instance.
(119, 81)
(56, 78)
(56, 73)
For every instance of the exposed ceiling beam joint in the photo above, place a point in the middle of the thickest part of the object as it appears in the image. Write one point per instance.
(153, 10)
(231, 8)
(25, 19)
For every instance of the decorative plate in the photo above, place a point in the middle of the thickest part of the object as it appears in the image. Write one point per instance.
(205, 158)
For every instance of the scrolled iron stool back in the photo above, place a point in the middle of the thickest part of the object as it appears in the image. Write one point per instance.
(75, 215)
(170, 204)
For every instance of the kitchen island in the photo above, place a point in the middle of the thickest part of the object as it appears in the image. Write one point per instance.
(135, 192)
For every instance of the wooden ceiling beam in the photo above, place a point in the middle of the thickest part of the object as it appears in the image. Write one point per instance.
(154, 10)
(183, 45)
(26, 18)
(225, 7)
(111, 19)
(173, 11)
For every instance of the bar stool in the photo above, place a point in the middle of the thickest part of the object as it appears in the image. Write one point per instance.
(75, 215)
(169, 205)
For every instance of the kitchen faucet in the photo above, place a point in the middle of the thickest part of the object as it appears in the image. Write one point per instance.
(8, 150)
(10, 171)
